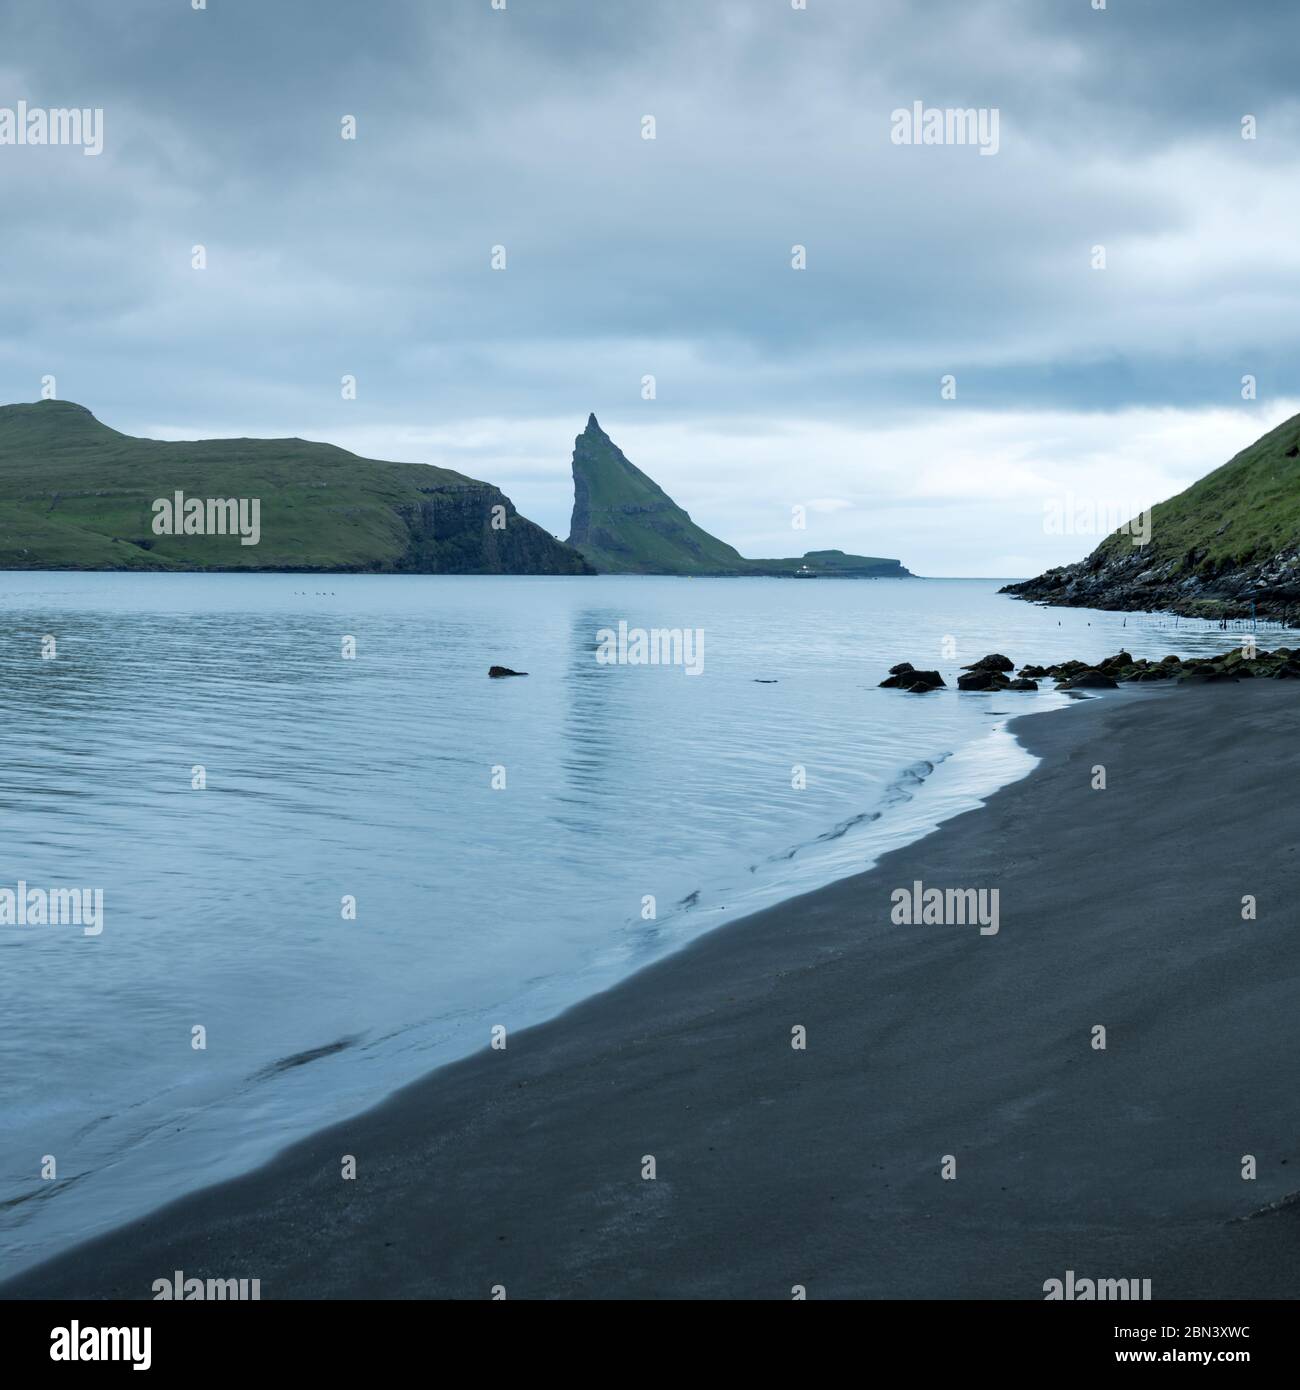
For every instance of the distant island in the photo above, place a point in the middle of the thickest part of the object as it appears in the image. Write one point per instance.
(77, 495)
(625, 523)
(1227, 547)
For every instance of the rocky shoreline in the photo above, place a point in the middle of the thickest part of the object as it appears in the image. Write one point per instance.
(992, 673)
(1126, 580)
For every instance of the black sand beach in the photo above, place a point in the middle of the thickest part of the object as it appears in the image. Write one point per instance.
(821, 1168)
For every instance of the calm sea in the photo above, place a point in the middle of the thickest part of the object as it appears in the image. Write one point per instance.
(501, 839)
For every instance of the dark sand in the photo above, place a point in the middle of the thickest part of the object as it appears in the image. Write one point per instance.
(776, 1167)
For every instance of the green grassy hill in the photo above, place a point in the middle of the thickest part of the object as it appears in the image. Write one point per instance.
(1244, 512)
(75, 494)
(1229, 542)
(625, 523)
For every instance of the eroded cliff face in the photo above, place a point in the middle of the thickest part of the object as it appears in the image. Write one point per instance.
(459, 530)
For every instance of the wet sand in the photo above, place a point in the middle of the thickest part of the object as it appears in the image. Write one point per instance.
(778, 1167)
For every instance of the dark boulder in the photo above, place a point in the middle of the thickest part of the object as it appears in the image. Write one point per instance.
(1064, 670)
(905, 676)
(496, 672)
(995, 661)
(1090, 680)
(1023, 684)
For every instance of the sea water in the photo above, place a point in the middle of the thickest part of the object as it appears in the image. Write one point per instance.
(333, 854)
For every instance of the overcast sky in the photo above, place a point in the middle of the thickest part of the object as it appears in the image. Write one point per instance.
(626, 257)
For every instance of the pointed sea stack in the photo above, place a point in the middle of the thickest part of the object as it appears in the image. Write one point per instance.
(625, 523)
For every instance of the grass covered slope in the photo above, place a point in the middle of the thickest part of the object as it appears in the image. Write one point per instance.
(625, 523)
(75, 494)
(1227, 542)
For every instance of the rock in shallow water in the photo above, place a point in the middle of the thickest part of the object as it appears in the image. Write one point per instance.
(496, 672)
(982, 678)
(988, 674)
(905, 676)
(995, 661)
